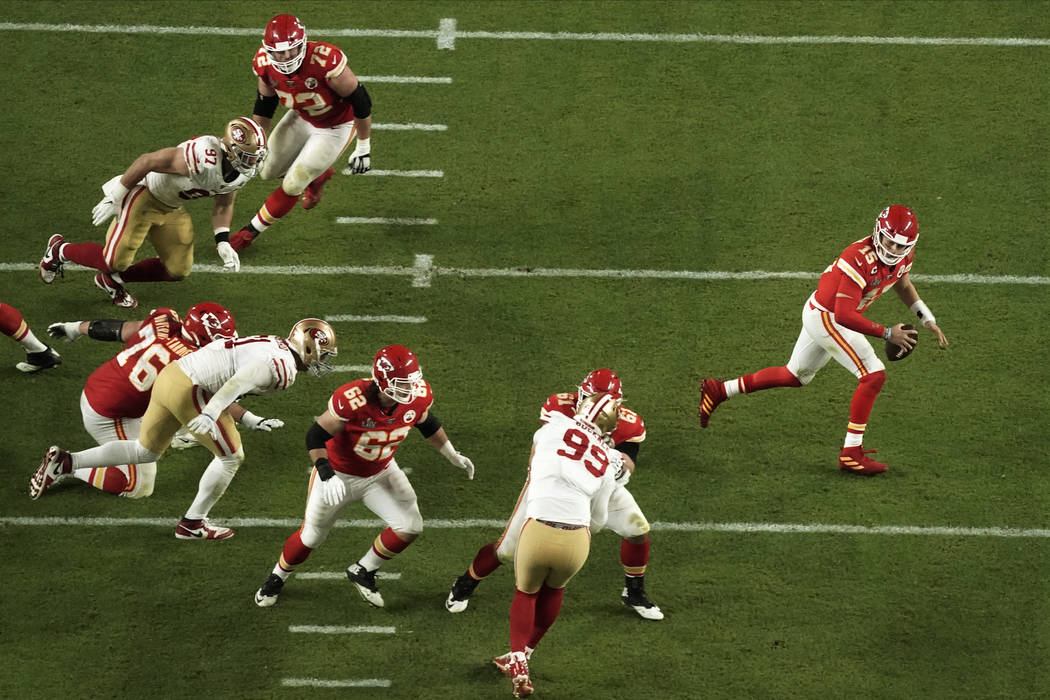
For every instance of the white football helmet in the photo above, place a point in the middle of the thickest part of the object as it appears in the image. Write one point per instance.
(313, 340)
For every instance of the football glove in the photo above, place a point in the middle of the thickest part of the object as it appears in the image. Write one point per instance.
(230, 260)
(361, 158)
(333, 491)
(204, 425)
(254, 422)
(110, 204)
(463, 463)
(68, 331)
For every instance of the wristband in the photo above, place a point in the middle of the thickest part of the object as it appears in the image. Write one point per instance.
(922, 312)
(250, 420)
(363, 146)
(222, 235)
(887, 333)
(324, 469)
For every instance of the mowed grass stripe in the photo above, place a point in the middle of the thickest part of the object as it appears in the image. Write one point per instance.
(447, 34)
(438, 524)
(426, 267)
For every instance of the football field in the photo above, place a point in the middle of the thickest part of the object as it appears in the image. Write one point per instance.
(653, 187)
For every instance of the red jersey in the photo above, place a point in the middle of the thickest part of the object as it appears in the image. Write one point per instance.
(370, 436)
(121, 387)
(307, 90)
(630, 427)
(858, 274)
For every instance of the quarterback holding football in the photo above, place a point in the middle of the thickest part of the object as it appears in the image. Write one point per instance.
(834, 327)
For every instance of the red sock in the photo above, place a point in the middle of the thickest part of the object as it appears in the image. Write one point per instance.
(864, 399)
(275, 207)
(11, 322)
(387, 545)
(485, 562)
(113, 479)
(294, 552)
(769, 378)
(548, 605)
(522, 619)
(148, 270)
(634, 557)
(86, 254)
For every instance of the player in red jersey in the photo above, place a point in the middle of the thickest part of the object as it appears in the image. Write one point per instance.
(38, 355)
(116, 395)
(625, 517)
(352, 446)
(327, 108)
(834, 326)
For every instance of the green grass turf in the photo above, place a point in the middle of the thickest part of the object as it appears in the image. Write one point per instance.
(568, 154)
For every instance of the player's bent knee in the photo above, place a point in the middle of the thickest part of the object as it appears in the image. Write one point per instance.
(296, 180)
(312, 537)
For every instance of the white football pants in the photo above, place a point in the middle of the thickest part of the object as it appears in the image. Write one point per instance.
(300, 151)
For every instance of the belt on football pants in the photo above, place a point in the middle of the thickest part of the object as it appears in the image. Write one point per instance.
(560, 526)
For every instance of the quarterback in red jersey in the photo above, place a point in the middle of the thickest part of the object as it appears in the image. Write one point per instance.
(834, 326)
(352, 446)
(327, 108)
(117, 394)
(625, 517)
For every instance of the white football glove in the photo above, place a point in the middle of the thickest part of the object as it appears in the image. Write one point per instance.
(230, 260)
(361, 158)
(254, 422)
(463, 463)
(333, 490)
(68, 331)
(110, 204)
(204, 425)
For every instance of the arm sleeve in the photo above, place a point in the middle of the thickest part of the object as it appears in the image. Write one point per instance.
(846, 313)
(630, 449)
(247, 379)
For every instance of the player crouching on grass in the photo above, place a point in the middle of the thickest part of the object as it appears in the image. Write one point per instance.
(834, 326)
(195, 391)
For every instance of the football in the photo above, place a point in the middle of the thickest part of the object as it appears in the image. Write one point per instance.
(896, 352)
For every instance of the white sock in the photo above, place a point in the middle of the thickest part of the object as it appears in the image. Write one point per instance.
(30, 343)
(732, 388)
(113, 453)
(213, 483)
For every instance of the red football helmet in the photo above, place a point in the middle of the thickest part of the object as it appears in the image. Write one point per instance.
(598, 381)
(896, 224)
(396, 372)
(206, 322)
(285, 33)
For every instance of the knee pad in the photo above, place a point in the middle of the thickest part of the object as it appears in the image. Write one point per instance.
(874, 381)
(312, 536)
(143, 454)
(231, 463)
(296, 180)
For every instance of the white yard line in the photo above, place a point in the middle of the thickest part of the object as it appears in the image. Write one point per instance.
(410, 79)
(325, 683)
(462, 524)
(395, 221)
(409, 127)
(448, 33)
(350, 318)
(363, 369)
(341, 629)
(341, 575)
(399, 173)
(425, 269)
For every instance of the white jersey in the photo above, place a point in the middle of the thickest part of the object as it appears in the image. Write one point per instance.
(204, 158)
(572, 474)
(264, 359)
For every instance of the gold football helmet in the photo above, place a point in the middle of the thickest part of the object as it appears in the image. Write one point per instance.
(244, 143)
(313, 340)
(602, 410)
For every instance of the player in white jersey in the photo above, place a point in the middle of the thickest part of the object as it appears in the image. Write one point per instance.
(195, 391)
(147, 202)
(572, 475)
